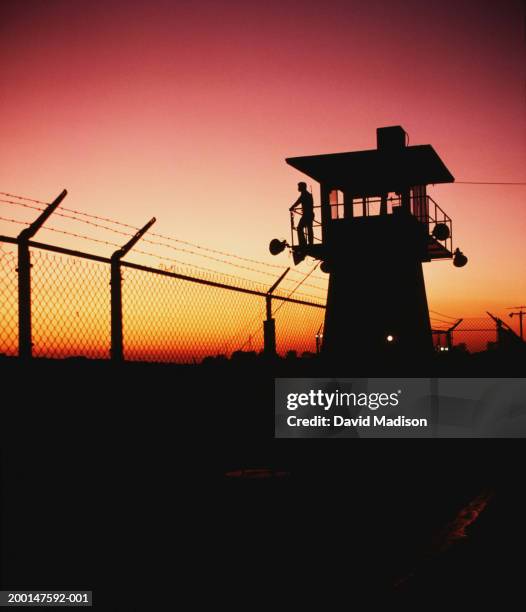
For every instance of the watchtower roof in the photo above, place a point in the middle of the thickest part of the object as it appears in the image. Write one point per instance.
(376, 170)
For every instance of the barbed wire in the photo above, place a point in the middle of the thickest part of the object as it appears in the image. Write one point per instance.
(135, 228)
(59, 213)
(206, 269)
(157, 243)
(477, 324)
(224, 261)
(182, 264)
(13, 221)
(12, 195)
(45, 228)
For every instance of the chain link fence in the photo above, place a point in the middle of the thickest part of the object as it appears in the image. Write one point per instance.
(166, 317)
(8, 300)
(473, 334)
(70, 303)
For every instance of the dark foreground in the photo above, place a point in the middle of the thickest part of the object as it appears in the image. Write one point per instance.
(139, 482)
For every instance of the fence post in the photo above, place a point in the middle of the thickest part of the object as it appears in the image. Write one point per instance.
(117, 345)
(269, 325)
(116, 350)
(25, 341)
(25, 344)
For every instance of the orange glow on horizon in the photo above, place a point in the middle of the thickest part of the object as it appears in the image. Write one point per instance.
(186, 111)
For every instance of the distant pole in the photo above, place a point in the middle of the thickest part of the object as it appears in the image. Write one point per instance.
(117, 346)
(449, 334)
(25, 341)
(519, 314)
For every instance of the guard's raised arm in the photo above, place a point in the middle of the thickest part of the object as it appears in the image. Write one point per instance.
(295, 205)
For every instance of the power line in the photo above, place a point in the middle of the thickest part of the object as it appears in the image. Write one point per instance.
(488, 183)
(298, 285)
(443, 315)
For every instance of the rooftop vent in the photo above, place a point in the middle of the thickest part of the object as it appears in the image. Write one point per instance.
(390, 138)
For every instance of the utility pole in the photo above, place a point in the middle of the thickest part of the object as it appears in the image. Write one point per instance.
(505, 334)
(521, 313)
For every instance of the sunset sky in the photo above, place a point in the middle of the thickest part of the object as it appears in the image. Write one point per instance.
(186, 110)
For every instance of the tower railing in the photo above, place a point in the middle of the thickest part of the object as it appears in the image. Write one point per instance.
(435, 217)
(295, 215)
(424, 208)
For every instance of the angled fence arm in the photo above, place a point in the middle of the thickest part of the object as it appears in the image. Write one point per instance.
(117, 346)
(25, 342)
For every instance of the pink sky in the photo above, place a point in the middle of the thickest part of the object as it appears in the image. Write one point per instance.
(186, 111)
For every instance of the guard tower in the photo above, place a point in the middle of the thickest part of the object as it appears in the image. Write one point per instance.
(374, 227)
